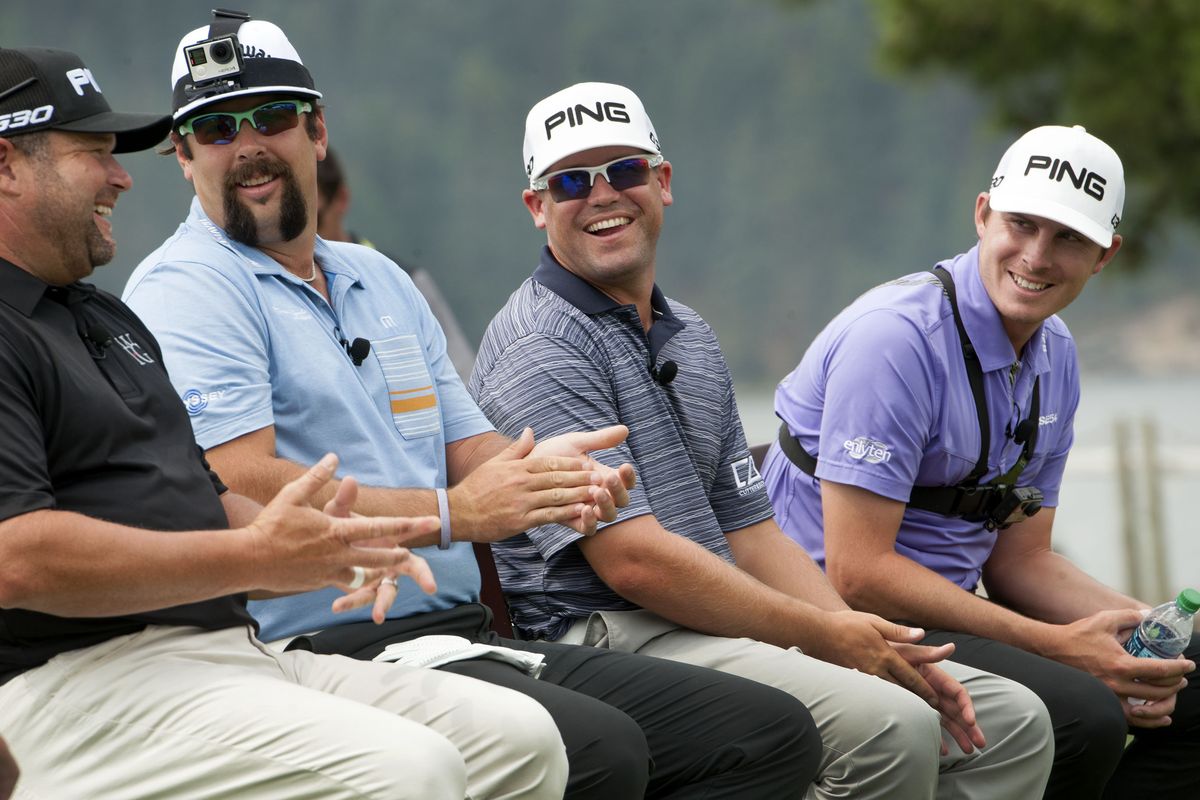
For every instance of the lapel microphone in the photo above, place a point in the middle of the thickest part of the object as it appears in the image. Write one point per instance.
(358, 350)
(665, 375)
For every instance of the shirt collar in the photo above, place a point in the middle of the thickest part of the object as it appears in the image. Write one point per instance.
(22, 290)
(261, 263)
(591, 301)
(982, 320)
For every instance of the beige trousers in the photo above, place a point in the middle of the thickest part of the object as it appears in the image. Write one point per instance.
(879, 741)
(176, 712)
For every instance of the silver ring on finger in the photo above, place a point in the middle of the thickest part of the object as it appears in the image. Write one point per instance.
(360, 577)
(388, 582)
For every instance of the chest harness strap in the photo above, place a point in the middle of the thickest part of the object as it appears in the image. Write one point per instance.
(998, 503)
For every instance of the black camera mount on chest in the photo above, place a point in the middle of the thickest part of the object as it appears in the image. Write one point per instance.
(998, 503)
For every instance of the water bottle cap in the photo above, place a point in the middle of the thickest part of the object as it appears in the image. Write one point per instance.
(1189, 600)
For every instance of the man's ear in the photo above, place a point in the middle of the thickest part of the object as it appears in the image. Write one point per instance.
(664, 182)
(534, 203)
(182, 155)
(1108, 254)
(321, 140)
(8, 153)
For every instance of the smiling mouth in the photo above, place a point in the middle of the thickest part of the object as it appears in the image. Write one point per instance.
(1027, 284)
(258, 181)
(606, 226)
(104, 211)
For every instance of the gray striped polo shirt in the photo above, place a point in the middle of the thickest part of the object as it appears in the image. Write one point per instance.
(561, 356)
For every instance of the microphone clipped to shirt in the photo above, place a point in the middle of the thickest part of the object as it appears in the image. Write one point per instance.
(664, 375)
(97, 338)
(358, 350)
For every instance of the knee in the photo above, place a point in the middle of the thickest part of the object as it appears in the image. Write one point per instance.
(1089, 724)
(419, 764)
(528, 748)
(773, 727)
(893, 733)
(608, 756)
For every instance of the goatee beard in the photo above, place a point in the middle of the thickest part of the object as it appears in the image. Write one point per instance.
(240, 224)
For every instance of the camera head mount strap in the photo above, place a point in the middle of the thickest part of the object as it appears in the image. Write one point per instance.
(967, 498)
(226, 22)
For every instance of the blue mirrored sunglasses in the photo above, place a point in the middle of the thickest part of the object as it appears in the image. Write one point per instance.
(575, 183)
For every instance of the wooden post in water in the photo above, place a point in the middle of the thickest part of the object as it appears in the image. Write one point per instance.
(1127, 500)
(1160, 590)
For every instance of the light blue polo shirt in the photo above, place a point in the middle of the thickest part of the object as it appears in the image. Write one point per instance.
(882, 393)
(248, 345)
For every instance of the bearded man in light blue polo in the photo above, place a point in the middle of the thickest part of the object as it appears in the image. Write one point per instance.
(924, 439)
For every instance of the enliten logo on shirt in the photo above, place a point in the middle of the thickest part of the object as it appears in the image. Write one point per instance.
(864, 448)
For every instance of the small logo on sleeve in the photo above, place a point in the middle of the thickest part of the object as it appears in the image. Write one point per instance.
(746, 475)
(864, 448)
(195, 401)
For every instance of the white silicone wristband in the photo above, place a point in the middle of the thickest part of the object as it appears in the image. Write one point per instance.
(444, 513)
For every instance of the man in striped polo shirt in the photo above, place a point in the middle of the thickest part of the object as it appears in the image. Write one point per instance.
(694, 569)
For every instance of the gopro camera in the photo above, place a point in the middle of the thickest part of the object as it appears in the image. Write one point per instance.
(1015, 505)
(219, 57)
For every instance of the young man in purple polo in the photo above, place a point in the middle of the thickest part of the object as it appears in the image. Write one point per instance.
(925, 434)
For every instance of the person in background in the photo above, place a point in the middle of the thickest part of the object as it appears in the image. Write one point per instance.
(925, 434)
(333, 202)
(129, 666)
(694, 569)
(273, 386)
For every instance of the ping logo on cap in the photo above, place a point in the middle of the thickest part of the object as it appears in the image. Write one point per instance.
(1091, 183)
(575, 115)
(81, 77)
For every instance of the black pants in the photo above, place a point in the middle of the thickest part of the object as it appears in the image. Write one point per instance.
(1090, 757)
(633, 725)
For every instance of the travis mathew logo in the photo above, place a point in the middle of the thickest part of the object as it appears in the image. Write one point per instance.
(1091, 183)
(134, 349)
(579, 113)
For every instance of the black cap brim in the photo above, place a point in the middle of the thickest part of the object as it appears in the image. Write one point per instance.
(134, 131)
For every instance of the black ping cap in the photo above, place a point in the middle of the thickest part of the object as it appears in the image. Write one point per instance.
(43, 89)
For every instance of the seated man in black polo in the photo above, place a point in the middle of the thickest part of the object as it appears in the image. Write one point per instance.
(128, 663)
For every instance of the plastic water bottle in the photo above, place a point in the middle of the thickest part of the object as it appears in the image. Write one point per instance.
(1166, 631)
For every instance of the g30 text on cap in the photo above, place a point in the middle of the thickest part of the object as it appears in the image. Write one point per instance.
(43, 89)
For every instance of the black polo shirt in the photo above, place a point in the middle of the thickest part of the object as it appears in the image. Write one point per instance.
(90, 423)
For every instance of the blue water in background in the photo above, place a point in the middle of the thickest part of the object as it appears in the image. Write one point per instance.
(1087, 526)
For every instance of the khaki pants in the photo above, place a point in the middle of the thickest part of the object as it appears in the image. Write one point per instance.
(879, 741)
(174, 712)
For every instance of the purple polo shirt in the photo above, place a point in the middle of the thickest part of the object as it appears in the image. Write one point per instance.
(882, 394)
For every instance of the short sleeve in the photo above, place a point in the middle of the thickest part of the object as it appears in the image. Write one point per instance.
(215, 346)
(878, 405)
(568, 390)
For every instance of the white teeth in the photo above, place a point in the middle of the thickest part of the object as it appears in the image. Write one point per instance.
(257, 181)
(1024, 284)
(606, 224)
(104, 211)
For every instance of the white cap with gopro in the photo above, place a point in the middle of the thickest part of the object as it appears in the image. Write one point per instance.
(1066, 175)
(207, 70)
(582, 117)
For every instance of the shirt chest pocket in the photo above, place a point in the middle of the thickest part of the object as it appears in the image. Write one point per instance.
(412, 398)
